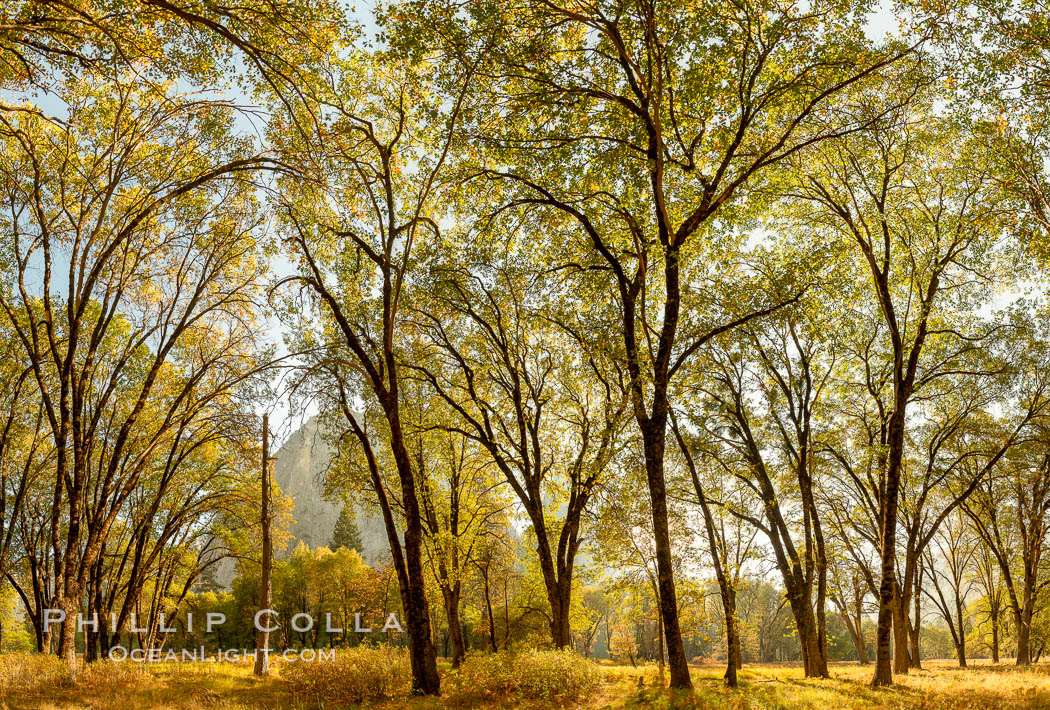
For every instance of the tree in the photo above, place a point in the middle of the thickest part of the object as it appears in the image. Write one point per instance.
(727, 568)
(634, 163)
(362, 195)
(956, 548)
(757, 405)
(550, 422)
(921, 216)
(155, 233)
(1009, 512)
(346, 533)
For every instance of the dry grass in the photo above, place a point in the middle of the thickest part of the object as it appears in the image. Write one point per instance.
(940, 686)
(40, 683)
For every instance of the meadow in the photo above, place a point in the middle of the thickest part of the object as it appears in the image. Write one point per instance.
(529, 679)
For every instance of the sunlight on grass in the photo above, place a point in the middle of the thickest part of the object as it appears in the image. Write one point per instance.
(40, 683)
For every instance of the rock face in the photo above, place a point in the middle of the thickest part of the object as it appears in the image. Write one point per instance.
(299, 471)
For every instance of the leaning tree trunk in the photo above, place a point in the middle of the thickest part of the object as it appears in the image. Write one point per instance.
(856, 633)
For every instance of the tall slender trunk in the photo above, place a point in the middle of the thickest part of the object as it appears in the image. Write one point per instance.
(660, 644)
(995, 639)
(856, 634)
(654, 434)
(888, 503)
(262, 636)
(916, 627)
(492, 619)
(725, 587)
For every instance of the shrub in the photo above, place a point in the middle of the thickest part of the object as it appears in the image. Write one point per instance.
(26, 672)
(355, 676)
(524, 675)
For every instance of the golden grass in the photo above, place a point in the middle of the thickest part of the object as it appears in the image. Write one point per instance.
(941, 685)
(29, 682)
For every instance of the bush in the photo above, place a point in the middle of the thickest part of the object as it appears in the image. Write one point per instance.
(524, 675)
(26, 672)
(355, 676)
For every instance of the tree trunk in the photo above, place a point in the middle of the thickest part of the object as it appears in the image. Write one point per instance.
(262, 637)
(901, 642)
(856, 635)
(559, 599)
(67, 640)
(733, 654)
(455, 628)
(1023, 651)
(660, 645)
(995, 639)
(814, 660)
(654, 435)
(913, 631)
(492, 618)
(890, 493)
(422, 654)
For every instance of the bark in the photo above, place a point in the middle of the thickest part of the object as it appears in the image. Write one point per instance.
(901, 653)
(733, 653)
(488, 608)
(995, 640)
(262, 637)
(654, 434)
(422, 654)
(916, 660)
(856, 635)
(1022, 628)
(455, 628)
(889, 495)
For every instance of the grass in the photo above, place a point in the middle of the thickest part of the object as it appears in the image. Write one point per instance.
(40, 683)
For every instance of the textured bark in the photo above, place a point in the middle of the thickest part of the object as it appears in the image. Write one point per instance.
(654, 436)
(262, 636)
(733, 653)
(1022, 631)
(422, 654)
(995, 641)
(455, 628)
(901, 654)
(889, 496)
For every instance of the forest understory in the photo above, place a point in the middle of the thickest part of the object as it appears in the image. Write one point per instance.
(31, 682)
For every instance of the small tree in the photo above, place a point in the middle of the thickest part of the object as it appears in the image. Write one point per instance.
(346, 533)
